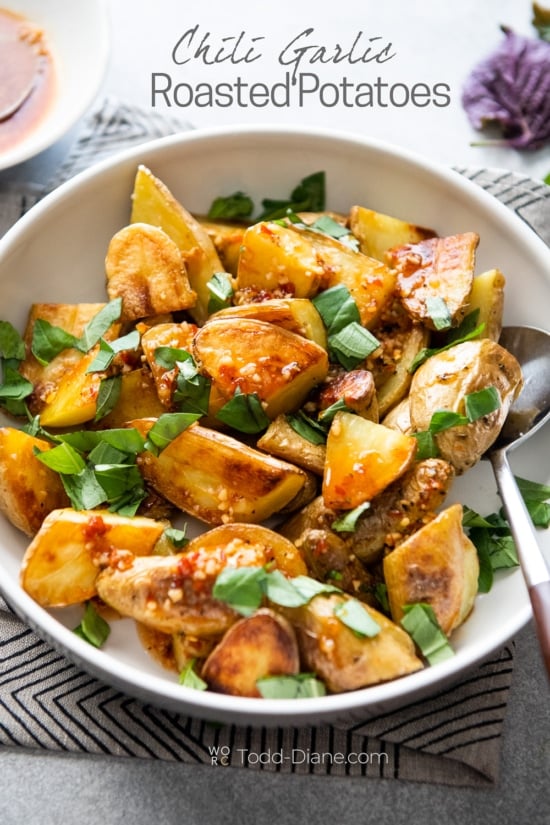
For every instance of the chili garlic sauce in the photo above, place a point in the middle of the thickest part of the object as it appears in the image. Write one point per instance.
(27, 78)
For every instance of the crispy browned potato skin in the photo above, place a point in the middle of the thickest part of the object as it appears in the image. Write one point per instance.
(145, 268)
(356, 389)
(435, 268)
(438, 565)
(342, 659)
(294, 314)
(173, 594)
(282, 440)
(218, 479)
(178, 336)
(442, 382)
(403, 507)
(257, 646)
(29, 490)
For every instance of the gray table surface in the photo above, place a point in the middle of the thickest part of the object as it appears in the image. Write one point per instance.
(40, 788)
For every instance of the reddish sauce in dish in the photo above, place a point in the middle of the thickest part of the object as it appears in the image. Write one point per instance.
(27, 78)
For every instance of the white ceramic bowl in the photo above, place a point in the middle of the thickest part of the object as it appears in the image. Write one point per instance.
(56, 253)
(78, 36)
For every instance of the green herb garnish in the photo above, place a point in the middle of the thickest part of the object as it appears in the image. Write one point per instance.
(221, 292)
(307, 196)
(352, 345)
(348, 522)
(49, 340)
(421, 624)
(439, 313)
(166, 428)
(244, 412)
(468, 330)
(355, 616)
(190, 678)
(297, 686)
(93, 628)
(307, 427)
(231, 207)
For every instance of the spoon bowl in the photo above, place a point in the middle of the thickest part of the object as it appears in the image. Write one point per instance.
(530, 411)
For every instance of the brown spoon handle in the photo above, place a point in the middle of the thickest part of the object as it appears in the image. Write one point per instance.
(540, 602)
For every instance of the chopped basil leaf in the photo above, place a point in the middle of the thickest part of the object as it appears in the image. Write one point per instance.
(190, 678)
(230, 207)
(381, 594)
(240, 588)
(352, 345)
(326, 415)
(466, 331)
(176, 537)
(15, 387)
(427, 447)
(127, 440)
(12, 345)
(309, 588)
(421, 624)
(93, 628)
(83, 489)
(307, 427)
(533, 490)
(166, 428)
(48, 341)
(168, 357)
(336, 307)
(192, 390)
(108, 350)
(539, 512)
(107, 396)
(348, 522)
(118, 479)
(481, 403)
(99, 324)
(355, 616)
(298, 686)
(221, 291)
(446, 419)
(244, 412)
(439, 312)
(63, 459)
(482, 540)
(281, 590)
(307, 196)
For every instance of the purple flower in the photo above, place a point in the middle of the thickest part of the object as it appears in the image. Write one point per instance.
(511, 89)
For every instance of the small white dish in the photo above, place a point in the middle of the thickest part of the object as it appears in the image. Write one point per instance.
(56, 252)
(77, 34)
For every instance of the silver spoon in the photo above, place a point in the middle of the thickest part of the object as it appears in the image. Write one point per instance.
(18, 65)
(529, 412)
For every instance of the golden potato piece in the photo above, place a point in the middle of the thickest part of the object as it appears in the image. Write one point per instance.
(437, 268)
(28, 489)
(257, 646)
(61, 564)
(176, 336)
(257, 357)
(438, 565)
(217, 478)
(227, 237)
(145, 268)
(488, 297)
(138, 399)
(282, 440)
(153, 203)
(80, 390)
(295, 314)
(343, 659)
(362, 459)
(442, 383)
(275, 548)
(378, 232)
(356, 389)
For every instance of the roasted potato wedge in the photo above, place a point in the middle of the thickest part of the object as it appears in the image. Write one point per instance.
(362, 459)
(256, 357)
(61, 565)
(438, 565)
(282, 440)
(403, 507)
(394, 379)
(177, 336)
(217, 478)
(227, 237)
(260, 645)
(437, 268)
(65, 375)
(377, 232)
(488, 297)
(145, 268)
(138, 398)
(356, 389)
(173, 594)
(154, 204)
(28, 489)
(295, 314)
(343, 659)
(442, 382)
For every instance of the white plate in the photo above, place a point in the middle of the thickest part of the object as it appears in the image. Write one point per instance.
(77, 33)
(56, 253)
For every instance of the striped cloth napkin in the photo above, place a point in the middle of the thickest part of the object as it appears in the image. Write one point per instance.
(48, 703)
